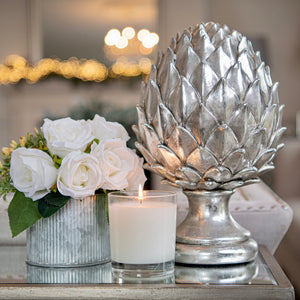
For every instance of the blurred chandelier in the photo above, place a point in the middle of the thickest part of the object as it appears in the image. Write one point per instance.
(128, 43)
(128, 48)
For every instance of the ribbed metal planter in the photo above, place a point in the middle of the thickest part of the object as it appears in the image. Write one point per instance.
(76, 236)
(91, 274)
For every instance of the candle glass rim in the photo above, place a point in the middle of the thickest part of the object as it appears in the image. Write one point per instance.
(153, 194)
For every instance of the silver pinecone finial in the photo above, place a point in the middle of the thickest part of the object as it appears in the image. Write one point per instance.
(209, 116)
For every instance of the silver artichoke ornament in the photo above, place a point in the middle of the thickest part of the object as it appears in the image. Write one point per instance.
(209, 119)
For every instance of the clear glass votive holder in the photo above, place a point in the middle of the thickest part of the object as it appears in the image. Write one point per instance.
(142, 233)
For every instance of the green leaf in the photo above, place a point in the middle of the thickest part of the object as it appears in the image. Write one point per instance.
(51, 203)
(22, 213)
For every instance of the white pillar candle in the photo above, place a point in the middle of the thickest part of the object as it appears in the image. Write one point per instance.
(143, 232)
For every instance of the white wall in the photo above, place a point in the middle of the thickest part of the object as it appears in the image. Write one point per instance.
(13, 28)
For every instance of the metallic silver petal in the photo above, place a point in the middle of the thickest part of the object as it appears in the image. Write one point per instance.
(183, 101)
(207, 185)
(182, 143)
(171, 161)
(173, 44)
(268, 120)
(146, 154)
(159, 57)
(169, 81)
(183, 43)
(250, 172)
(218, 174)
(168, 76)
(251, 181)
(219, 62)
(253, 144)
(152, 100)
(236, 161)
(239, 123)
(243, 45)
(222, 101)
(141, 122)
(276, 137)
(212, 28)
(266, 168)
(142, 94)
(136, 132)
(229, 49)
(156, 122)
(254, 101)
(201, 123)
(250, 49)
(168, 122)
(264, 158)
(280, 146)
(161, 171)
(203, 80)
(202, 45)
(222, 141)
(236, 38)
(171, 183)
(257, 59)
(268, 76)
(237, 80)
(188, 174)
(186, 184)
(247, 68)
(187, 63)
(274, 94)
(279, 117)
(261, 74)
(201, 159)
(152, 141)
(231, 185)
(218, 37)
(153, 74)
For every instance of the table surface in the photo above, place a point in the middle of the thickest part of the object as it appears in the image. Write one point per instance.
(261, 279)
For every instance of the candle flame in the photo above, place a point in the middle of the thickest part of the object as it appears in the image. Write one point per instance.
(140, 194)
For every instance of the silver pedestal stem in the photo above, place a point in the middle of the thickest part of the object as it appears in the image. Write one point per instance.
(209, 235)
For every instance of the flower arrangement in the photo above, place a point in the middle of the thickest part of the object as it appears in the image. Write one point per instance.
(67, 159)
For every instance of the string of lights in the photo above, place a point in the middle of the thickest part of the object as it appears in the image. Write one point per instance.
(17, 68)
(127, 50)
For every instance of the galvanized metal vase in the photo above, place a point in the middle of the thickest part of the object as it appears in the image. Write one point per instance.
(83, 275)
(209, 235)
(76, 236)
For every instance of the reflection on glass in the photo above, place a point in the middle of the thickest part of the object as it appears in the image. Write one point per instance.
(164, 280)
(13, 270)
(229, 274)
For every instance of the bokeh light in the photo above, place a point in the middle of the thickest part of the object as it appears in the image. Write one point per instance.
(142, 34)
(128, 32)
(112, 37)
(122, 42)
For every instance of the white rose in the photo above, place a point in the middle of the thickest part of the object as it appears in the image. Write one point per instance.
(79, 175)
(104, 130)
(66, 135)
(136, 176)
(118, 162)
(32, 172)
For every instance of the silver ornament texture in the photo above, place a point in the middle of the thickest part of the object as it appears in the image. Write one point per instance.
(209, 115)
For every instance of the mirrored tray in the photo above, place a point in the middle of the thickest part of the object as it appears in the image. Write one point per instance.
(260, 277)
